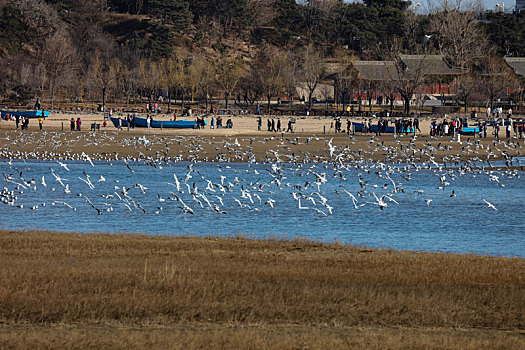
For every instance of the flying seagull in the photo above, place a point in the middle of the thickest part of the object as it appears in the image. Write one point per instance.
(489, 204)
(427, 38)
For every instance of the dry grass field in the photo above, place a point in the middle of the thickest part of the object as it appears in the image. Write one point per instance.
(127, 291)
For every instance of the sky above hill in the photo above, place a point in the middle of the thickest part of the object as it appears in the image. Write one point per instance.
(491, 4)
(488, 4)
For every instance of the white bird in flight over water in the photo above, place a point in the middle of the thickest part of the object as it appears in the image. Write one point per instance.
(490, 204)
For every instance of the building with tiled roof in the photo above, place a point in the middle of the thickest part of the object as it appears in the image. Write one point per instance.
(431, 64)
(375, 70)
(517, 64)
(410, 65)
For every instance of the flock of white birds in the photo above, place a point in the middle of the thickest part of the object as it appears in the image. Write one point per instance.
(287, 173)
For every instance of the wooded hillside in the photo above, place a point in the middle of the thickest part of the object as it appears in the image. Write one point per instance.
(121, 50)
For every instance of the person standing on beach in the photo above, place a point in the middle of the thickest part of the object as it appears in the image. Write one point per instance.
(416, 125)
(259, 123)
(72, 124)
(79, 124)
(278, 125)
(40, 122)
(290, 129)
(25, 123)
(17, 120)
(148, 121)
(269, 124)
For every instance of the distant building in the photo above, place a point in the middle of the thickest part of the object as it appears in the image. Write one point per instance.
(436, 70)
(374, 80)
(520, 5)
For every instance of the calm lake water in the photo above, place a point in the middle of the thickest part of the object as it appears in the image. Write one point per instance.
(460, 224)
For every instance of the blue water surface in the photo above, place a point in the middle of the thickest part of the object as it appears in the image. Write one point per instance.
(460, 224)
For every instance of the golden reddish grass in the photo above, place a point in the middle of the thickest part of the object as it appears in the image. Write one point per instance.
(115, 290)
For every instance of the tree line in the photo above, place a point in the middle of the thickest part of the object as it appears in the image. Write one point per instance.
(239, 50)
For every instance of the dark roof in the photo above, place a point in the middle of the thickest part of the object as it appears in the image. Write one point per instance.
(375, 70)
(431, 64)
(333, 67)
(517, 64)
(387, 70)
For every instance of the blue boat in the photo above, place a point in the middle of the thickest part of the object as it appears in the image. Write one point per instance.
(29, 114)
(469, 130)
(157, 124)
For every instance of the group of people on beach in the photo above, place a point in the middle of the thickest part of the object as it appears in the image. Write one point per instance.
(201, 123)
(273, 126)
(75, 124)
(401, 126)
(24, 121)
(216, 123)
(510, 125)
(339, 124)
(456, 125)
(447, 127)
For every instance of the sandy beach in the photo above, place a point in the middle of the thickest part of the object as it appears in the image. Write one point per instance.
(308, 142)
(243, 124)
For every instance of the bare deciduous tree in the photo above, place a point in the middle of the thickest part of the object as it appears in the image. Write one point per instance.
(203, 74)
(466, 87)
(345, 79)
(104, 70)
(270, 65)
(41, 18)
(457, 32)
(412, 27)
(173, 75)
(229, 72)
(251, 88)
(291, 75)
(407, 80)
(58, 56)
(312, 71)
(262, 11)
(498, 80)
